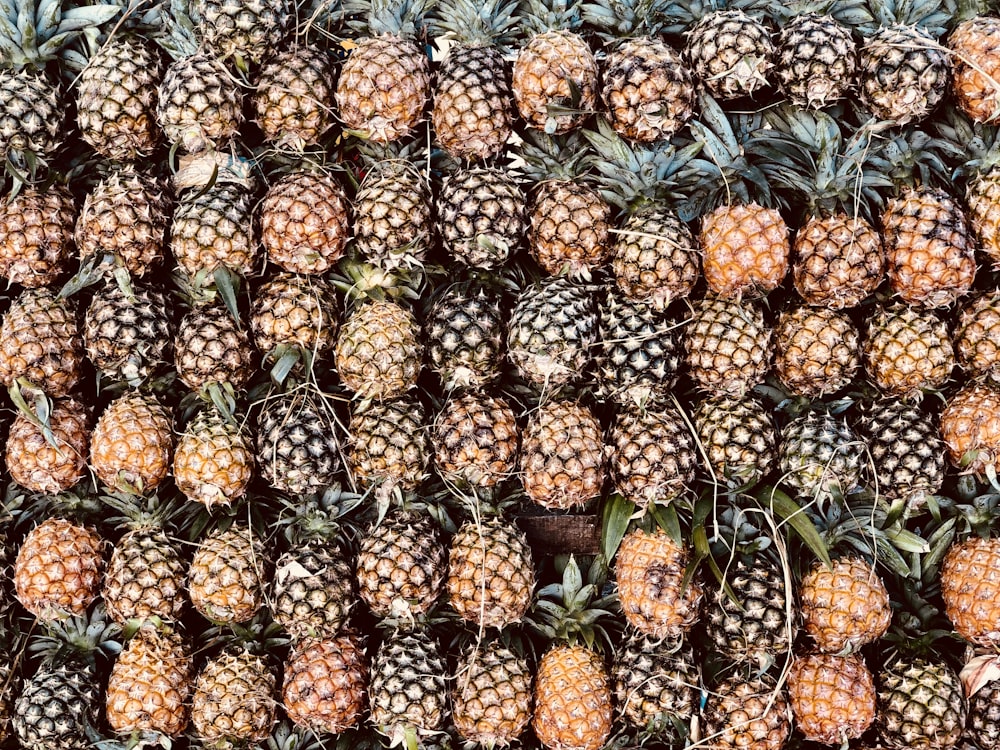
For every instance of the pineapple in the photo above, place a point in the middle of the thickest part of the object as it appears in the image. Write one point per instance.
(655, 599)
(563, 457)
(297, 312)
(970, 428)
(213, 460)
(555, 74)
(305, 222)
(476, 437)
(133, 443)
(981, 725)
(58, 569)
(821, 457)
(652, 455)
(491, 572)
(385, 83)
(145, 577)
(970, 588)
(977, 335)
(569, 219)
(213, 350)
(200, 104)
(379, 352)
(245, 32)
(838, 260)
(731, 52)
(465, 335)
(290, 103)
(298, 450)
(816, 60)
(639, 357)
(844, 606)
(747, 712)
(481, 216)
(648, 91)
(125, 216)
(325, 684)
(127, 332)
(921, 704)
(408, 693)
(40, 342)
(116, 97)
(401, 565)
(745, 250)
(908, 351)
(471, 115)
(36, 235)
(491, 697)
(387, 446)
(973, 44)
(232, 700)
(150, 684)
(227, 574)
(32, 106)
(982, 178)
(573, 695)
(657, 685)
(832, 697)
(728, 346)
(47, 452)
(739, 438)
(551, 332)
(907, 452)
(816, 351)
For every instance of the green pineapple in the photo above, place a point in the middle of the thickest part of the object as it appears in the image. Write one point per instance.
(821, 457)
(465, 335)
(298, 450)
(246, 31)
(921, 704)
(739, 438)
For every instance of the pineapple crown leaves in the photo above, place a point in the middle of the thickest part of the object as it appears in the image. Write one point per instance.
(141, 17)
(403, 18)
(38, 412)
(932, 16)
(915, 157)
(562, 157)
(178, 34)
(680, 15)
(850, 13)
(259, 636)
(632, 176)
(152, 512)
(33, 32)
(472, 23)
(571, 610)
(317, 517)
(619, 19)
(978, 144)
(81, 637)
(546, 15)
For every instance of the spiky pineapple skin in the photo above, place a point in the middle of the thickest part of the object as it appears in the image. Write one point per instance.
(477, 439)
(908, 350)
(982, 192)
(739, 438)
(55, 463)
(844, 607)
(379, 352)
(393, 217)
(325, 683)
(982, 725)
(58, 569)
(23, 91)
(838, 261)
(198, 107)
(573, 704)
(655, 258)
(55, 707)
(570, 226)
(465, 331)
(832, 697)
(388, 446)
(116, 99)
(975, 43)
(383, 88)
(298, 446)
(977, 335)
(745, 248)
(227, 574)
(970, 427)
(145, 578)
(36, 235)
(491, 573)
(290, 310)
(728, 346)
(246, 30)
(731, 52)
(821, 457)
(555, 67)
(408, 688)
(816, 60)
(312, 592)
(213, 461)
(655, 601)
(290, 101)
(921, 705)
(214, 228)
(656, 684)
(817, 351)
(211, 347)
(481, 216)
(903, 73)
(232, 700)
(652, 455)
(970, 588)
(491, 697)
(150, 684)
(133, 443)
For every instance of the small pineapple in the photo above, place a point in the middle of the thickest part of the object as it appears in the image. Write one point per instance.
(832, 697)
(246, 31)
(563, 457)
(212, 349)
(970, 428)
(816, 351)
(58, 569)
(747, 712)
(49, 455)
(379, 352)
(387, 446)
(921, 704)
(385, 83)
(821, 457)
(132, 444)
(728, 346)
(817, 59)
(291, 100)
(36, 235)
(973, 44)
(150, 684)
(977, 335)
(465, 329)
(552, 330)
(731, 52)
(491, 574)
(305, 222)
(555, 75)
(845, 606)
(476, 437)
(739, 438)
(481, 216)
(655, 599)
(298, 449)
(325, 683)
(970, 589)
(491, 697)
(213, 460)
(40, 341)
(227, 574)
(652, 455)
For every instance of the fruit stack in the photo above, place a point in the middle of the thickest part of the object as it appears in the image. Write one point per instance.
(328, 322)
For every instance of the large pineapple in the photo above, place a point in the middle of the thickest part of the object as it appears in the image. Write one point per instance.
(465, 335)
(821, 457)
(747, 712)
(974, 43)
(652, 455)
(844, 606)
(291, 101)
(387, 447)
(555, 75)
(921, 704)
(291, 311)
(731, 52)
(150, 684)
(40, 342)
(379, 352)
(246, 31)
(728, 346)
(908, 351)
(36, 235)
(476, 437)
(232, 700)
(471, 116)
(817, 59)
(385, 83)
(48, 453)
(132, 444)
(325, 684)
(491, 695)
(816, 351)
(298, 450)
(739, 438)
(214, 459)
(227, 574)
(832, 697)
(745, 249)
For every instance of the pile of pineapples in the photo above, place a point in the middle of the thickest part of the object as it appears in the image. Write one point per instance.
(313, 311)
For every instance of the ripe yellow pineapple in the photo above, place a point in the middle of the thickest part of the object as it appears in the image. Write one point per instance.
(747, 712)
(907, 350)
(476, 437)
(832, 697)
(227, 574)
(326, 682)
(213, 460)
(233, 700)
(970, 428)
(977, 335)
(974, 43)
(132, 443)
(816, 351)
(970, 589)
(491, 697)
(845, 606)
(36, 235)
(745, 250)
(48, 453)
(379, 350)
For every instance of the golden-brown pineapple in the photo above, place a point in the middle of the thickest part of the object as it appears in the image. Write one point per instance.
(36, 235)
(845, 606)
(49, 457)
(832, 697)
(132, 443)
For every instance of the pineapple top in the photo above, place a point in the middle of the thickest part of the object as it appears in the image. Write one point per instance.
(32, 32)
(932, 16)
(402, 18)
(620, 19)
(547, 15)
(472, 23)
(571, 611)
(561, 157)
